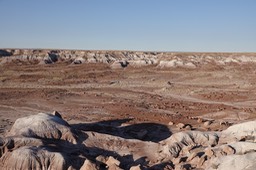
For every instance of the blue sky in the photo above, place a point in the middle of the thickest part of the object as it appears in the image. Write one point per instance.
(150, 25)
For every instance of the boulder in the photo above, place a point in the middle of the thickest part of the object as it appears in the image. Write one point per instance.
(112, 161)
(199, 120)
(33, 158)
(177, 141)
(242, 129)
(234, 162)
(170, 123)
(135, 167)
(188, 127)
(180, 125)
(55, 113)
(42, 125)
(243, 147)
(207, 123)
(79, 60)
(88, 165)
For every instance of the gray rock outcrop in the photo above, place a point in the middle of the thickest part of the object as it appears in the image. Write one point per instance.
(46, 141)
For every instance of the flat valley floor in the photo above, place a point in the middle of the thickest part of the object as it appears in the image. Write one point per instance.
(99, 93)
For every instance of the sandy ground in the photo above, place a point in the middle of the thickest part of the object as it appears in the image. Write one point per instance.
(97, 92)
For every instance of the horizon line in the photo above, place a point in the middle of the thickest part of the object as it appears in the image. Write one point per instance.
(126, 50)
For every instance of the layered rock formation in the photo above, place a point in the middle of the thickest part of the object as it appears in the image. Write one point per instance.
(119, 59)
(46, 141)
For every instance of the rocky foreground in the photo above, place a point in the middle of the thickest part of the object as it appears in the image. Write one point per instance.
(46, 141)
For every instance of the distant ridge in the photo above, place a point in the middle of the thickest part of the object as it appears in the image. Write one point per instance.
(116, 59)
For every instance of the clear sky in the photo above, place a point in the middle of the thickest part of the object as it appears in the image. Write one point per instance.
(151, 25)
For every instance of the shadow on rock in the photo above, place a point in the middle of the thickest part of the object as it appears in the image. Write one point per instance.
(144, 131)
(46, 141)
(4, 53)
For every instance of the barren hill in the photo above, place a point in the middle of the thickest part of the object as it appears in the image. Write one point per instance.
(124, 58)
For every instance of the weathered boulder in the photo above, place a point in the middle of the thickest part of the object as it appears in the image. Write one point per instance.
(180, 125)
(33, 158)
(112, 161)
(177, 141)
(88, 165)
(42, 125)
(240, 130)
(234, 162)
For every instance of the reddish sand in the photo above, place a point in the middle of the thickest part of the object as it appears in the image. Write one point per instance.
(97, 92)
